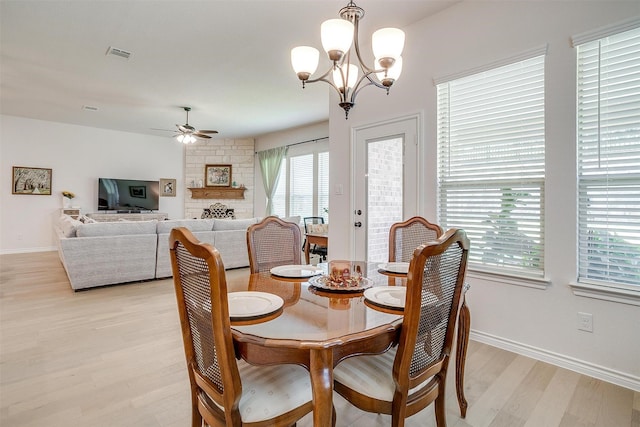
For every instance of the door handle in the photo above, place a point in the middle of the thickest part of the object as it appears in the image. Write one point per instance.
(358, 224)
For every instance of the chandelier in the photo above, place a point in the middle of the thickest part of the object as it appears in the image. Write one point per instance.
(349, 73)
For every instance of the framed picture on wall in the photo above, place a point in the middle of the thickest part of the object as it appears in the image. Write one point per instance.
(167, 187)
(139, 191)
(26, 180)
(217, 175)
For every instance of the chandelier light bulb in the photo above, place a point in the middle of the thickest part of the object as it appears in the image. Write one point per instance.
(337, 36)
(387, 43)
(351, 76)
(390, 75)
(304, 60)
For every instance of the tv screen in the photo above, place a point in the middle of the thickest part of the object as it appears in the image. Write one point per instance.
(127, 195)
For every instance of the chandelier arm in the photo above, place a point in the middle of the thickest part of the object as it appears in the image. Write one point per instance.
(357, 89)
(375, 83)
(356, 46)
(322, 78)
(329, 82)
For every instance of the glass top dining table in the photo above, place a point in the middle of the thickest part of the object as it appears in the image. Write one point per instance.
(317, 328)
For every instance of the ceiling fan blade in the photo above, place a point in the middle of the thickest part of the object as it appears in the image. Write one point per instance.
(201, 135)
(208, 131)
(163, 130)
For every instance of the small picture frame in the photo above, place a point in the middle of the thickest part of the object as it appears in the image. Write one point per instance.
(138, 191)
(217, 175)
(27, 180)
(167, 187)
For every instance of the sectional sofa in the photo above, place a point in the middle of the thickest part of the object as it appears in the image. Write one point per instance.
(105, 253)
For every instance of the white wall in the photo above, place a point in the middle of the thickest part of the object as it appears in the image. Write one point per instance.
(542, 323)
(78, 156)
(279, 139)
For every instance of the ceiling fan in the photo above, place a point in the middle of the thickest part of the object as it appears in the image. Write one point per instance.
(187, 134)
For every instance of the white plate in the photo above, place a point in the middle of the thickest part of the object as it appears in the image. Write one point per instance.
(395, 267)
(323, 282)
(296, 270)
(248, 304)
(387, 296)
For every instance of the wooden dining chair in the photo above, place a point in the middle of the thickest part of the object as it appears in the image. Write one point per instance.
(310, 224)
(403, 381)
(405, 236)
(226, 391)
(273, 242)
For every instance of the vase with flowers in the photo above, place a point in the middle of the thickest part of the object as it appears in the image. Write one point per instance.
(67, 196)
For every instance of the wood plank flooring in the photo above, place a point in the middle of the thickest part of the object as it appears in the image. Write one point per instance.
(113, 357)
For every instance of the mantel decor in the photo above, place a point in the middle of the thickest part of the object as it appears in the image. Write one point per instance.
(36, 181)
(217, 175)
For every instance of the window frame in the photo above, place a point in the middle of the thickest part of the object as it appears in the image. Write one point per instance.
(517, 276)
(316, 149)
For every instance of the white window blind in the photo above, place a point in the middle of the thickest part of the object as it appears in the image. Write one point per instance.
(323, 185)
(491, 165)
(303, 186)
(609, 159)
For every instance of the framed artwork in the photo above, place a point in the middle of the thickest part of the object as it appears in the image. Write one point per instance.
(167, 187)
(28, 180)
(139, 191)
(217, 175)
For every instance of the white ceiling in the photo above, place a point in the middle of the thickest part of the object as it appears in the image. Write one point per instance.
(228, 60)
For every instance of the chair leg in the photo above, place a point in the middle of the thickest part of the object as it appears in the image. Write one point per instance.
(441, 420)
(464, 324)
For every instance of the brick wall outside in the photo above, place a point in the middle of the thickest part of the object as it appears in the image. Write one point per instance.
(239, 153)
(384, 195)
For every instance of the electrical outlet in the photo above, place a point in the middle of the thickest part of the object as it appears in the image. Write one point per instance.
(585, 322)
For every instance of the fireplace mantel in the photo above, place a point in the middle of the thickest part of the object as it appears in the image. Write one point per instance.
(218, 193)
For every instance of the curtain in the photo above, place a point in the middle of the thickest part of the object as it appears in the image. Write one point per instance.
(270, 161)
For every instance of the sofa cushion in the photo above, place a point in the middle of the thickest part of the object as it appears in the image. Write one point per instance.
(233, 224)
(69, 225)
(116, 228)
(165, 227)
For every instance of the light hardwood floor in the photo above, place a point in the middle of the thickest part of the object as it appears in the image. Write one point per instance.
(113, 357)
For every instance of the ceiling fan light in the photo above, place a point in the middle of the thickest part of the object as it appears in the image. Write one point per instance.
(304, 60)
(387, 43)
(180, 138)
(337, 36)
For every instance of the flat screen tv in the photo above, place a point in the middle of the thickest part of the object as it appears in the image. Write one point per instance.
(128, 195)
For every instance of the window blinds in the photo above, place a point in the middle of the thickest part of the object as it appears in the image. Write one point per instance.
(491, 165)
(301, 186)
(609, 159)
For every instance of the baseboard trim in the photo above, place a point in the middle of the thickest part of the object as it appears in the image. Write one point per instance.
(27, 250)
(596, 371)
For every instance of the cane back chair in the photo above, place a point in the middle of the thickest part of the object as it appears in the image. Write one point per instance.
(226, 392)
(273, 242)
(408, 378)
(405, 236)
